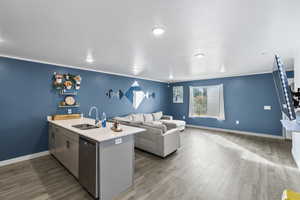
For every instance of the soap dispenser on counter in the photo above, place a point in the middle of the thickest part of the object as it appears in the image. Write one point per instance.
(103, 120)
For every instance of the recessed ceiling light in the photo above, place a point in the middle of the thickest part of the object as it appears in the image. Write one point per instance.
(136, 67)
(171, 76)
(137, 70)
(199, 55)
(89, 59)
(157, 31)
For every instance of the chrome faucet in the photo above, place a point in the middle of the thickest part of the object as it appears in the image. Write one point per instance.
(97, 114)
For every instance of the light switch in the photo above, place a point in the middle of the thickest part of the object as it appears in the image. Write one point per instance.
(267, 107)
(118, 141)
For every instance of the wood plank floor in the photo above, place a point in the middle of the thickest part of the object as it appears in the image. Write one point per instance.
(211, 165)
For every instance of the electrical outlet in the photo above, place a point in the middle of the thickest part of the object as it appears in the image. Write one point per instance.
(183, 117)
(267, 107)
(237, 122)
(118, 141)
(69, 111)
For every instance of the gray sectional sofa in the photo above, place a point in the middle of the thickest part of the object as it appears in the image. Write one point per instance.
(162, 135)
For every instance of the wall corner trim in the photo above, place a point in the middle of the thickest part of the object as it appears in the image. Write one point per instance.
(23, 158)
(237, 132)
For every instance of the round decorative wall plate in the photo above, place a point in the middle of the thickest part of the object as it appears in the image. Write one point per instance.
(70, 100)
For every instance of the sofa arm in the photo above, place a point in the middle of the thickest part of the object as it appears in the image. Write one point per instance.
(171, 141)
(129, 123)
(169, 124)
(167, 117)
(152, 130)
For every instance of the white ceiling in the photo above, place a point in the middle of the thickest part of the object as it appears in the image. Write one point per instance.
(118, 33)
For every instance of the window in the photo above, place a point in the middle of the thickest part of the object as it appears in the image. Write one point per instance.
(207, 101)
(178, 94)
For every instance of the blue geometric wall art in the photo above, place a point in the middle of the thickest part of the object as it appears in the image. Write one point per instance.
(135, 95)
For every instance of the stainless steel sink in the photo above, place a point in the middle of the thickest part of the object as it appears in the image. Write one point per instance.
(85, 126)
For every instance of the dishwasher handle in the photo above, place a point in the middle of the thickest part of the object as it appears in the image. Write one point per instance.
(86, 141)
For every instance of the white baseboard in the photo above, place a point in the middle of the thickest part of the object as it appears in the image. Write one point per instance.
(23, 158)
(238, 132)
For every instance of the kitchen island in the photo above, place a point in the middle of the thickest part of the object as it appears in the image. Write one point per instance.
(101, 159)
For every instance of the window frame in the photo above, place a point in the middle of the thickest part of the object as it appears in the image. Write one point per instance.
(221, 102)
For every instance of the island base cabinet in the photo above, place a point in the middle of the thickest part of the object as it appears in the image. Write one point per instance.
(116, 159)
(51, 145)
(64, 146)
(72, 156)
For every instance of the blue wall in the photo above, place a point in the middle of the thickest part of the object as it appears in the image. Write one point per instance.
(244, 99)
(27, 97)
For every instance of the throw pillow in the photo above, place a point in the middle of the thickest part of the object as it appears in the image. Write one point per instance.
(137, 117)
(148, 117)
(157, 115)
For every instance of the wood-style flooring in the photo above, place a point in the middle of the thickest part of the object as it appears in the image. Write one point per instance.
(210, 165)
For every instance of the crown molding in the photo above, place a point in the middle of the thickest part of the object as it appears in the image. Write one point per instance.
(78, 67)
(220, 77)
(132, 76)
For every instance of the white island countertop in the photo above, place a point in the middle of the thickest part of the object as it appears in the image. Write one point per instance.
(97, 134)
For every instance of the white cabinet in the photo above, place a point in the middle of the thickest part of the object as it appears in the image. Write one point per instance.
(71, 153)
(51, 140)
(296, 147)
(116, 166)
(64, 145)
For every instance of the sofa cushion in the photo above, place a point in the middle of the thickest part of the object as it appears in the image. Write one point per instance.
(148, 117)
(174, 124)
(157, 115)
(128, 117)
(137, 117)
(156, 124)
(167, 117)
(178, 123)
(137, 123)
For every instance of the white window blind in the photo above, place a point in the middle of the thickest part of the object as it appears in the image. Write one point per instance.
(207, 101)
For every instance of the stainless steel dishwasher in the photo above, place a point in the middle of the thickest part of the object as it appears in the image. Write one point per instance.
(88, 165)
